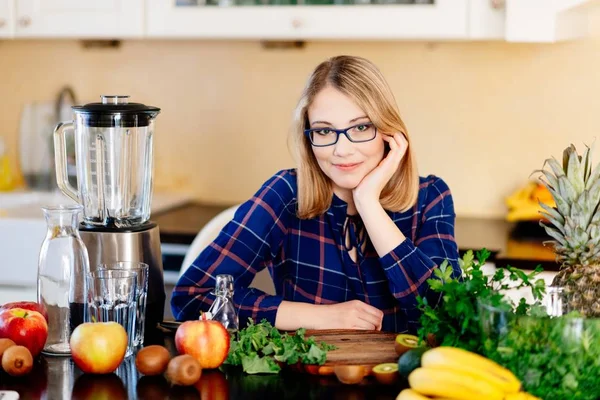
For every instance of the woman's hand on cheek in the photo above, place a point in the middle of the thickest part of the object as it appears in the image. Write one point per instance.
(369, 189)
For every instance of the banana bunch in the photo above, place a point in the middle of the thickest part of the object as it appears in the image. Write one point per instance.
(449, 373)
(523, 205)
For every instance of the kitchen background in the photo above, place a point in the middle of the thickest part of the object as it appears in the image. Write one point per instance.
(483, 115)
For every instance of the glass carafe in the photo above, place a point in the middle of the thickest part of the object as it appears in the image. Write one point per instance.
(63, 265)
(113, 152)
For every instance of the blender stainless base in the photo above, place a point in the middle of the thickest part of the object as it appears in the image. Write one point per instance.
(142, 244)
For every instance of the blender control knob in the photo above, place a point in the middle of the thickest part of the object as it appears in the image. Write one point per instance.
(297, 23)
(24, 21)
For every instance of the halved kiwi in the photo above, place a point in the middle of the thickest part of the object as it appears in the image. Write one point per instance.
(386, 373)
(405, 342)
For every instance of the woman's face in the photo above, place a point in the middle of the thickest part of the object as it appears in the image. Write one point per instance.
(345, 163)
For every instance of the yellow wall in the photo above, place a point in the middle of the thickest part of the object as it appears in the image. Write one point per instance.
(482, 115)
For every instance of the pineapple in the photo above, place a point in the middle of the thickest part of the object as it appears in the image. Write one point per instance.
(574, 224)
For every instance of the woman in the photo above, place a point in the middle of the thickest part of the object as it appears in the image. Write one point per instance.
(350, 236)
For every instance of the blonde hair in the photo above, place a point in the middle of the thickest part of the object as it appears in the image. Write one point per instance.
(362, 81)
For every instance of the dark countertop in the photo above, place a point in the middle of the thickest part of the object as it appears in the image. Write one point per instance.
(520, 245)
(58, 378)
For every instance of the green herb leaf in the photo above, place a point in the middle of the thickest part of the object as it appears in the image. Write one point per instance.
(259, 348)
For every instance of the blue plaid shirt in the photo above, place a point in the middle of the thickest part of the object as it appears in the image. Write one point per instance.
(308, 261)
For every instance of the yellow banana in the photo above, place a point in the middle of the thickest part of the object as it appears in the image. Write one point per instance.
(529, 211)
(521, 196)
(409, 394)
(453, 384)
(456, 359)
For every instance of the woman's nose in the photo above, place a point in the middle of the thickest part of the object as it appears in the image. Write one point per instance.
(343, 147)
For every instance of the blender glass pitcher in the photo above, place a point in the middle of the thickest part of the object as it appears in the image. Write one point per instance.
(113, 156)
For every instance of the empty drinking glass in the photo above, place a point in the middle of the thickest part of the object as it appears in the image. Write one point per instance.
(141, 293)
(111, 297)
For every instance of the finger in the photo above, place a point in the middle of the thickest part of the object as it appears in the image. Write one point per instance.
(362, 324)
(370, 318)
(401, 141)
(372, 310)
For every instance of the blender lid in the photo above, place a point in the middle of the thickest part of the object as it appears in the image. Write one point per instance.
(116, 111)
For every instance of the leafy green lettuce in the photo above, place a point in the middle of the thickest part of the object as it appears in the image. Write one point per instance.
(261, 348)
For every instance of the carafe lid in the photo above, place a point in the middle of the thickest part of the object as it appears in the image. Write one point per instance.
(116, 111)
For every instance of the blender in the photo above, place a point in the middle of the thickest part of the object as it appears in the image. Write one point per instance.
(114, 165)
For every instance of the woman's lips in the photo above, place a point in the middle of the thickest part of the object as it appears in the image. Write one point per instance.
(346, 167)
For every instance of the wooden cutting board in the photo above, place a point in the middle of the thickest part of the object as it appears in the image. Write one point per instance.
(354, 347)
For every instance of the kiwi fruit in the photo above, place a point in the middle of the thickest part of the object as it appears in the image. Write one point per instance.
(386, 373)
(17, 361)
(152, 360)
(405, 342)
(5, 343)
(183, 370)
(349, 374)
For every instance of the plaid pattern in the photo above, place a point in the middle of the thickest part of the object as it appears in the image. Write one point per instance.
(308, 262)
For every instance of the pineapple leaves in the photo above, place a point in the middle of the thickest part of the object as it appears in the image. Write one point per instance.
(555, 166)
(567, 189)
(556, 235)
(551, 181)
(587, 163)
(552, 215)
(561, 204)
(573, 169)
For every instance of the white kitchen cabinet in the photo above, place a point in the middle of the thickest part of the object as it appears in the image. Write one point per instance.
(444, 20)
(6, 18)
(530, 21)
(111, 19)
(544, 21)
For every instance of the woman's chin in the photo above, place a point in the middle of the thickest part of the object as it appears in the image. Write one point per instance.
(347, 184)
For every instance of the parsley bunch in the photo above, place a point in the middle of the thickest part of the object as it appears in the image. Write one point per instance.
(455, 321)
(261, 348)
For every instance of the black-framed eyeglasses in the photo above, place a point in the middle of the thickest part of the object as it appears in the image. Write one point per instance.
(321, 137)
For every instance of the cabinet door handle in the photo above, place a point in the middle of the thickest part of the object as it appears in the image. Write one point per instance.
(2, 23)
(24, 21)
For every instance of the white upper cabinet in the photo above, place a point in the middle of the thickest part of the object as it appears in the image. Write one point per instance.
(6, 18)
(533, 21)
(445, 19)
(507, 20)
(547, 21)
(79, 18)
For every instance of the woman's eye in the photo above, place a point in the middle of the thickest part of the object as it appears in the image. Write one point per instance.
(362, 128)
(324, 131)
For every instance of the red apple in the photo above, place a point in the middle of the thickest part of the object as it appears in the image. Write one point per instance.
(27, 305)
(98, 347)
(207, 341)
(25, 328)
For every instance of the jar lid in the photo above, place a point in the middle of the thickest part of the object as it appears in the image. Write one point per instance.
(116, 111)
